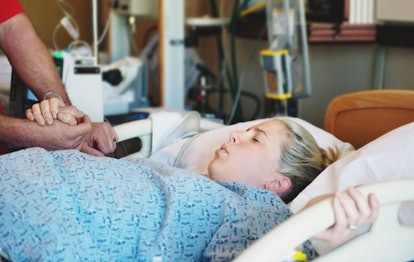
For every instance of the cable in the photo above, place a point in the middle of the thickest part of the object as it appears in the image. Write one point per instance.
(232, 28)
(81, 42)
(132, 39)
(57, 27)
(105, 30)
(236, 92)
(243, 75)
(68, 20)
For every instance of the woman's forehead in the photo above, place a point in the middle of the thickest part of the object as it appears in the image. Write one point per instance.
(271, 124)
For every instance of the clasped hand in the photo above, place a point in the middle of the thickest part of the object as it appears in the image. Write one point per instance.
(99, 139)
(48, 110)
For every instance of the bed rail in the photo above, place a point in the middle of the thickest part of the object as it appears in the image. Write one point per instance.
(387, 240)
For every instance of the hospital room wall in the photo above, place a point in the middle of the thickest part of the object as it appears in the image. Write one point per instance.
(46, 15)
(335, 69)
(338, 69)
(331, 67)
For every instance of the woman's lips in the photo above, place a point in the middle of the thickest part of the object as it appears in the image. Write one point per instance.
(223, 149)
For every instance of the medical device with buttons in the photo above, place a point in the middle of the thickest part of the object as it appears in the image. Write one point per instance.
(82, 80)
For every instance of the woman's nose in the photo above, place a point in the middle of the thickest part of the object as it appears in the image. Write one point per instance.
(235, 136)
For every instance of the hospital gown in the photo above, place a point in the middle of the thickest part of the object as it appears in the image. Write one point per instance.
(69, 206)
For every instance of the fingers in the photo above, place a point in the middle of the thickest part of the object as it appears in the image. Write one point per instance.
(37, 115)
(67, 118)
(52, 109)
(115, 137)
(375, 206)
(45, 112)
(359, 209)
(341, 218)
(73, 111)
(102, 138)
(29, 114)
(351, 211)
(351, 206)
(337, 233)
(54, 104)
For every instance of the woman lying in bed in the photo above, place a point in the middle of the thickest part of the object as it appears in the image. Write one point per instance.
(122, 210)
(66, 205)
(283, 156)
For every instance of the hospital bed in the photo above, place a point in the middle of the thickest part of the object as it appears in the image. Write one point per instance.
(374, 132)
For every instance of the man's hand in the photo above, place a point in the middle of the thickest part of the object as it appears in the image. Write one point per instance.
(101, 140)
(58, 135)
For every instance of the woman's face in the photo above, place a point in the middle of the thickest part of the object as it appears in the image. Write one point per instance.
(250, 156)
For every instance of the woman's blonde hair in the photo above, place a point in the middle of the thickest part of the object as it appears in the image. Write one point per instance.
(302, 160)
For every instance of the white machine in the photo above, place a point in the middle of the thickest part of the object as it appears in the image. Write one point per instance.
(90, 91)
(82, 79)
(129, 91)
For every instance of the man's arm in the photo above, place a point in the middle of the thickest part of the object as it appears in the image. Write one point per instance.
(30, 58)
(25, 133)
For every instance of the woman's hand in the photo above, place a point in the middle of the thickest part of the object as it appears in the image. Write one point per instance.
(49, 110)
(45, 112)
(351, 212)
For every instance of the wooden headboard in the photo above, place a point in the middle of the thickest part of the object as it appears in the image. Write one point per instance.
(363, 116)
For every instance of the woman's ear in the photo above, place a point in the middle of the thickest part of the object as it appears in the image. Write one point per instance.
(279, 185)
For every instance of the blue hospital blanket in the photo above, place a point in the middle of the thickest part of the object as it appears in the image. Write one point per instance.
(69, 206)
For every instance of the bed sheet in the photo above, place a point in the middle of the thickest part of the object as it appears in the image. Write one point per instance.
(53, 203)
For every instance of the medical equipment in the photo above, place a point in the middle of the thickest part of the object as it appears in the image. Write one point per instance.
(82, 79)
(285, 61)
(130, 91)
(122, 18)
(21, 98)
(278, 80)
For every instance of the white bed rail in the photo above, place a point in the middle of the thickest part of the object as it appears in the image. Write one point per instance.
(136, 129)
(387, 239)
(142, 129)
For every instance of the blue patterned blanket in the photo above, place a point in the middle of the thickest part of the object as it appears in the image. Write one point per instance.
(69, 206)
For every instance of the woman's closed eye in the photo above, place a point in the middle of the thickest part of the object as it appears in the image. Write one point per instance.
(258, 138)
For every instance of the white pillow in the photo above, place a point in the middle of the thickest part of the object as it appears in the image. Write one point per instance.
(196, 153)
(388, 157)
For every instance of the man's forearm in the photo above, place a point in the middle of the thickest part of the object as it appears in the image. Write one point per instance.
(30, 58)
(15, 131)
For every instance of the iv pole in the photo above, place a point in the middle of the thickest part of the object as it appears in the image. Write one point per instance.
(95, 30)
(171, 49)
